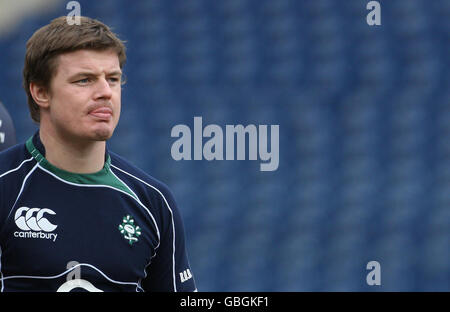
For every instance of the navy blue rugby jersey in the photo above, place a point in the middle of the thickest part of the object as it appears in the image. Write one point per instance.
(115, 230)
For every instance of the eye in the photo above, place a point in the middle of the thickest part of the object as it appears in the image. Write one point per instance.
(114, 79)
(83, 81)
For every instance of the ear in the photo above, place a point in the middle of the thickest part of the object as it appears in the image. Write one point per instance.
(40, 95)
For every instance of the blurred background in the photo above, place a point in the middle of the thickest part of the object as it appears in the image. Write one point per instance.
(364, 116)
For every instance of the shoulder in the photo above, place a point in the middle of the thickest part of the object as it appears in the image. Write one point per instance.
(15, 164)
(140, 180)
(13, 159)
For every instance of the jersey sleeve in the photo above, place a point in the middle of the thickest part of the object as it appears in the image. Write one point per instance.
(169, 270)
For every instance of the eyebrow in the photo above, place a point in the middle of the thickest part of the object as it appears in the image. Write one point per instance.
(93, 74)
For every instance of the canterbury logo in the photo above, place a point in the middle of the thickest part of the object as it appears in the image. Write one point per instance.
(185, 275)
(34, 220)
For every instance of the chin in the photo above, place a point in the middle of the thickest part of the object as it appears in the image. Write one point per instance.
(102, 134)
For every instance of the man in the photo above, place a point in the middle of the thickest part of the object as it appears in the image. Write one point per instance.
(73, 215)
(7, 132)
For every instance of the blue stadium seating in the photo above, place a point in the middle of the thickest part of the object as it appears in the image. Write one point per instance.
(364, 117)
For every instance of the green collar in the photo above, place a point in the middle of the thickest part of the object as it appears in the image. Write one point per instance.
(103, 177)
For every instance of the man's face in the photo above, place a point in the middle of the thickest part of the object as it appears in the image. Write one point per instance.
(85, 94)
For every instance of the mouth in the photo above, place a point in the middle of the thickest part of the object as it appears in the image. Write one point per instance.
(102, 113)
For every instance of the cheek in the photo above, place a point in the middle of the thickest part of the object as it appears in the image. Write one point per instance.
(117, 106)
(67, 107)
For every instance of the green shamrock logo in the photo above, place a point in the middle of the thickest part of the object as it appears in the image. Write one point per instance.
(130, 231)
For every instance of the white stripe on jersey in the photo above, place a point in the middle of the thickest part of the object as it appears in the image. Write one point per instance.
(15, 169)
(1, 176)
(67, 271)
(110, 187)
(21, 189)
(173, 224)
(148, 211)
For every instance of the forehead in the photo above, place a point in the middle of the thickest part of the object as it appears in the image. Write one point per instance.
(87, 60)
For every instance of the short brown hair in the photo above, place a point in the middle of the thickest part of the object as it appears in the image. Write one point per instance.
(57, 38)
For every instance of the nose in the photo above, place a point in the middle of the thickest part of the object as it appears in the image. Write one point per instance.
(103, 89)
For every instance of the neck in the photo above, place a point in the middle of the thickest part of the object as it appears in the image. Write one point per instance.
(73, 155)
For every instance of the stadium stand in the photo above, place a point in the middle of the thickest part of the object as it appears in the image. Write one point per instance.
(364, 115)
